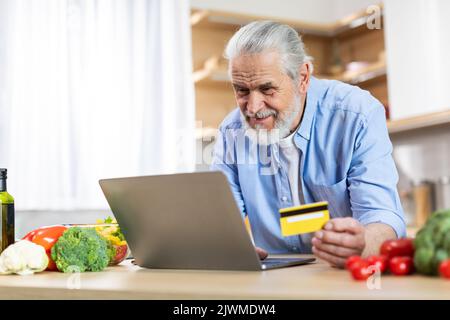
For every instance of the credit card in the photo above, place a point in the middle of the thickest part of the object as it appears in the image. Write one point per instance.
(304, 219)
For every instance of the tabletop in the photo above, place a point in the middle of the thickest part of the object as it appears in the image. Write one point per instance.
(313, 281)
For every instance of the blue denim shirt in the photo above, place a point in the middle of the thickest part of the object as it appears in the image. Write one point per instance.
(345, 159)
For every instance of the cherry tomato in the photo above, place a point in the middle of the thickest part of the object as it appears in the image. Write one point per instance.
(398, 248)
(401, 265)
(350, 260)
(46, 237)
(358, 264)
(381, 262)
(444, 269)
(360, 270)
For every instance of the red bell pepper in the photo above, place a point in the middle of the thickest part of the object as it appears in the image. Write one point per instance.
(46, 237)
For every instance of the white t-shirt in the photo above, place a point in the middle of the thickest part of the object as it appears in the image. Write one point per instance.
(291, 156)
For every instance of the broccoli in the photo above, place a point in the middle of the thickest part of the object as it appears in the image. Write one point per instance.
(80, 250)
(432, 243)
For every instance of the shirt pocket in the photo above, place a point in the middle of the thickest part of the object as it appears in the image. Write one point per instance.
(337, 196)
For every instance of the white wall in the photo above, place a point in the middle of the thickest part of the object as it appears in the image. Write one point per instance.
(317, 11)
(343, 8)
(418, 51)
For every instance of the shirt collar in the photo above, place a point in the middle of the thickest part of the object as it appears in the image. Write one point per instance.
(288, 141)
(315, 91)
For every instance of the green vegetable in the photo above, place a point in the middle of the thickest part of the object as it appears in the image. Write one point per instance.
(422, 260)
(432, 243)
(80, 250)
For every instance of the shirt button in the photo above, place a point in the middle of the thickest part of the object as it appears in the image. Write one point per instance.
(284, 198)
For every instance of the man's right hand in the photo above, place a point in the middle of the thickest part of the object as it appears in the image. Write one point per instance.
(261, 253)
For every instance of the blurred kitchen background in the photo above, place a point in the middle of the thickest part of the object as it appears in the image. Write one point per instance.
(102, 88)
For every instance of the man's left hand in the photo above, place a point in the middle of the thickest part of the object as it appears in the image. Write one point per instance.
(339, 239)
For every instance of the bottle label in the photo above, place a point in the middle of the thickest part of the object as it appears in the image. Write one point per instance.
(7, 225)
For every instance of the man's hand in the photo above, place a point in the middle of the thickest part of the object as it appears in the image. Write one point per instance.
(261, 253)
(339, 239)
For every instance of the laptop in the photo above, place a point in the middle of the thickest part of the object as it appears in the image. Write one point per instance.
(185, 221)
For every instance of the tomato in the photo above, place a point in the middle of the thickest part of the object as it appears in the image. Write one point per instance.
(358, 264)
(46, 237)
(360, 270)
(401, 265)
(381, 262)
(398, 248)
(350, 260)
(444, 269)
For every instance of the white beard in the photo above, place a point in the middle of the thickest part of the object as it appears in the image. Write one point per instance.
(282, 127)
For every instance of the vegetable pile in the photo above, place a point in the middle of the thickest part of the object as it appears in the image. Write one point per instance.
(396, 256)
(77, 248)
(428, 253)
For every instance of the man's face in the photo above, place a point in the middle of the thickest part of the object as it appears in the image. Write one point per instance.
(268, 97)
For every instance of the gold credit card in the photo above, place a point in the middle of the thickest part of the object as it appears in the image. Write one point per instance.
(304, 219)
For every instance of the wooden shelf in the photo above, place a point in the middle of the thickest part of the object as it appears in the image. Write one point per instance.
(215, 71)
(214, 19)
(430, 120)
(370, 72)
(232, 21)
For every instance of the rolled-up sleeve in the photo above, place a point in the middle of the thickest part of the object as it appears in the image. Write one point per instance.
(222, 162)
(373, 176)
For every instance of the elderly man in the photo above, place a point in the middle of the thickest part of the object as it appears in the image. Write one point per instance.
(296, 139)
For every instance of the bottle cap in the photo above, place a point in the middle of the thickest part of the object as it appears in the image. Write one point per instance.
(3, 173)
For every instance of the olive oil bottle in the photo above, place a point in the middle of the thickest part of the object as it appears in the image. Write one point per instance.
(6, 213)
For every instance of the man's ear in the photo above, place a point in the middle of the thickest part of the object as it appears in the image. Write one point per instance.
(304, 74)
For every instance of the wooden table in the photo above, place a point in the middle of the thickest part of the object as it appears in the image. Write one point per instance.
(126, 281)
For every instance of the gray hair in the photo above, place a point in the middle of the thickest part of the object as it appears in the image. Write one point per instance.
(262, 36)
